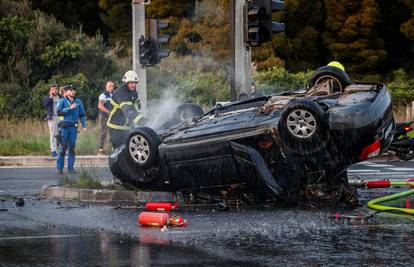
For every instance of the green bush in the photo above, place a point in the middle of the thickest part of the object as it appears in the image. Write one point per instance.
(278, 79)
(401, 87)
(202, 80)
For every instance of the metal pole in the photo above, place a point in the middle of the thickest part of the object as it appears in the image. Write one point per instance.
(138, 30)
(233, 93)
(242, 54)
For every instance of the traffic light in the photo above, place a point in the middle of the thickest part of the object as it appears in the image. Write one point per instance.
(146, 51)
(158, 39)
(258, 21)
(276, 27)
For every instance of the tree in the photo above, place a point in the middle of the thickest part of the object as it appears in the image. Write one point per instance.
(75, 14)
(398, 47)
(352, 36)
(168, 8)
(117, 16)
(299, 46)
(35, 48)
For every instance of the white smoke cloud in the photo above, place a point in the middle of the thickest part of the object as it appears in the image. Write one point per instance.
(163, 109)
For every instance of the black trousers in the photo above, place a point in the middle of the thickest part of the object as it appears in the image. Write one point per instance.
(118, 137)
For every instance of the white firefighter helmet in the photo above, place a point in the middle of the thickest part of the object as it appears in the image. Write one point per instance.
(130, 76)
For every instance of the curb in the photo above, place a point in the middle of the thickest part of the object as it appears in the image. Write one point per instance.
(109, 196)
(45, 161)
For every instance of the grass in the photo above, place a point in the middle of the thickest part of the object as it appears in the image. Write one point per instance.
(20, 138)
(89, 178)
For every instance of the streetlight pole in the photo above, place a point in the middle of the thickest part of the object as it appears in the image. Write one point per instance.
(241, 74)
(138, 30)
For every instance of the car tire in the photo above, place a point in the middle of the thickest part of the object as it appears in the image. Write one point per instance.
(341, 79)
(406, 156)
(142, 147)
(303, 128)
(114, 162)
(189, 111)
(123, 168)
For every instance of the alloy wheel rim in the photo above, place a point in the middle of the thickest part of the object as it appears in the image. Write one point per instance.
(139, 149)
(301, 123)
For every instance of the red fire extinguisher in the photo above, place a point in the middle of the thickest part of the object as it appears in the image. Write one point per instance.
(153, 219)
(161, 206)
(160, 219)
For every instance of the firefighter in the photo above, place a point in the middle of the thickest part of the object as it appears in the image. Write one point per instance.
(70, 109)
(124, 114)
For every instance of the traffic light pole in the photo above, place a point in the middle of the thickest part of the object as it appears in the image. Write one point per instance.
(241, 74)
(138, 30)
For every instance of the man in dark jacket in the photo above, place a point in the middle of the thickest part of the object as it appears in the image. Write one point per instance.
(50, 103)
(124, 113)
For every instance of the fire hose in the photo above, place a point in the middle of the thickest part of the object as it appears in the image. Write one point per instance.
(375, 204)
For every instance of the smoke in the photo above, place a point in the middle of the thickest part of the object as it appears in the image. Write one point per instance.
(163, 109)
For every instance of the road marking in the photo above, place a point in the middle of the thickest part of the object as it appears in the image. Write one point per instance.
(378, 165)
(401, 169)
(364, 162)
(384, 174)
(38, 237)
(364, 170)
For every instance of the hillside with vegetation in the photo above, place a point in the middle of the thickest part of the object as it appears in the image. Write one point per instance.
(84, 43)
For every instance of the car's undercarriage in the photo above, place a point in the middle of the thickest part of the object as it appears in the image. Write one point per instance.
(289, 146)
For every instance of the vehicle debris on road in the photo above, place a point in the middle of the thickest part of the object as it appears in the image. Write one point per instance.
(20, 202)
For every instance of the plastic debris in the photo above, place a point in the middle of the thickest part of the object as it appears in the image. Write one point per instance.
(176, 220)
(19, 202)
(354, 218)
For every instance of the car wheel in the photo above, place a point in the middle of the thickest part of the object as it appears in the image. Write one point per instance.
(123, 168)
(303, 128)
(143, 147)
(338, 78)
(406, 156)
(189, 111)
(114, 161)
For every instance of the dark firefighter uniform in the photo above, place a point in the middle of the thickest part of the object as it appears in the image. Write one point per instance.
(124, 114)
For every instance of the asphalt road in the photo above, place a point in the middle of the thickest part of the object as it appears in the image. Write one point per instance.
(29, 180)
(53, 233)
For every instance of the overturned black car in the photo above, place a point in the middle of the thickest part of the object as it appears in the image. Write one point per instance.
(284, 146)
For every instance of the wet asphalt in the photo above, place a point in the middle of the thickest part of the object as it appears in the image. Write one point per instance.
(45, 232)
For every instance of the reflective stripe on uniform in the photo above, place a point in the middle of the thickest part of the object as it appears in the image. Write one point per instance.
(125, 103)
(114, 103)
(117, 127)
(138, 118)
(116, 106)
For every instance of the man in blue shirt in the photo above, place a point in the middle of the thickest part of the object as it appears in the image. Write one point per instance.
(70, 109)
